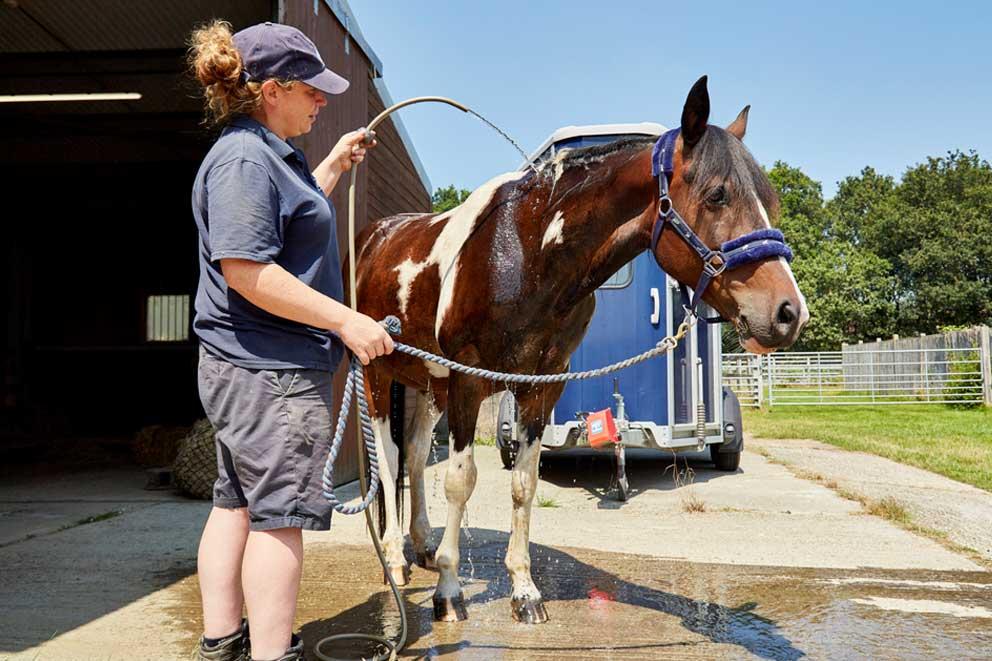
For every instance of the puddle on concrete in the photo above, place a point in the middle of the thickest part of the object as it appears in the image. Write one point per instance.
(612, 606)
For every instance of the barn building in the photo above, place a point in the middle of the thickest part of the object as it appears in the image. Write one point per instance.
(99, 245)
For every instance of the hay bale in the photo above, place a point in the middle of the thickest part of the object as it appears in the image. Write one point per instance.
(195, 468)
(157, 445)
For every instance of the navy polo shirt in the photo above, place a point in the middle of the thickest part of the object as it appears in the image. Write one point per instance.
(254, 198)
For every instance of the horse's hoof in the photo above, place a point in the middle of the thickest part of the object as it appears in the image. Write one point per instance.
(529, 611)
(426, 559)
(400, 574)
(449, 609)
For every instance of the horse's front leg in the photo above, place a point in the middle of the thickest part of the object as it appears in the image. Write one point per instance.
(526, 604)
(464, 398)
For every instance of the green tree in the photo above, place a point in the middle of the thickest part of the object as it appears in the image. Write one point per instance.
(938, 238)
(801, 216)
(856, 211)
(849, 292)
(848, 288)
(888, 257)
(444, 199)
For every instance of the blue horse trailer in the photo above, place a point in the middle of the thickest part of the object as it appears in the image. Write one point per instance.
(673, 403)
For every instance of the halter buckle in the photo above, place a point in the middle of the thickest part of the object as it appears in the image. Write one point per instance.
(714, 263)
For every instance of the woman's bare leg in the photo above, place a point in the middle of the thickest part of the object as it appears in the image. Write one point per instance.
(271, 572)
(222, 548)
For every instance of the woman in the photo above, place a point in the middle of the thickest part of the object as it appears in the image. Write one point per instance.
(270, 325)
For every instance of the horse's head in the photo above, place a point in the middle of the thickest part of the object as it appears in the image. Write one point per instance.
(726, 200)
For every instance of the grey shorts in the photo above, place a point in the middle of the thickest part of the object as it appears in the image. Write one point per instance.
(273, 433)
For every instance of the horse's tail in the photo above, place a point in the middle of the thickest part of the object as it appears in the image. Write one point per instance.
(397, 423)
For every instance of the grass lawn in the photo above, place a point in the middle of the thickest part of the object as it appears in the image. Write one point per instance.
(953, 442)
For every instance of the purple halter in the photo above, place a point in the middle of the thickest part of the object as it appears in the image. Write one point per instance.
(751, 247)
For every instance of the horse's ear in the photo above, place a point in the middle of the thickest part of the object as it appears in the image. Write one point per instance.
(696, 113)
(738, 127)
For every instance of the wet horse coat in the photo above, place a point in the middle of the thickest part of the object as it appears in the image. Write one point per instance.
(505, 281)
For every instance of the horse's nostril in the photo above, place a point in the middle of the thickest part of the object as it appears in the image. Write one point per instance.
(786, 313)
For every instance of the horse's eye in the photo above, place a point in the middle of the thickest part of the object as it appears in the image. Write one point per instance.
(718, 196)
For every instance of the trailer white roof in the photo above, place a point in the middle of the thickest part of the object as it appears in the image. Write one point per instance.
(566, 132)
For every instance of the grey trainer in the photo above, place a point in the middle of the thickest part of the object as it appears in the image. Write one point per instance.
(294, 653)
(236, 647)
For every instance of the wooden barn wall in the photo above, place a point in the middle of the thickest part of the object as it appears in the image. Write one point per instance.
(375, 197)
(394, 185)
(344, 112)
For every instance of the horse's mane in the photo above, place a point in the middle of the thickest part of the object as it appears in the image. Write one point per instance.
(710, 162)
(719, 156)
(584, 156)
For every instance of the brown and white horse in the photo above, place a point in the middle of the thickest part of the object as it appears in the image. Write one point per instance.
(505, 281)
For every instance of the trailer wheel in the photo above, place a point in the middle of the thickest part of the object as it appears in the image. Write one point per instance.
(727, 455)
(725, 461)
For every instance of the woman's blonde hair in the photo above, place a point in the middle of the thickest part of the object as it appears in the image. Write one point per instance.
(215, 61)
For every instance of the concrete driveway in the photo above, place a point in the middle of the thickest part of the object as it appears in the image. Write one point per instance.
(773, 566)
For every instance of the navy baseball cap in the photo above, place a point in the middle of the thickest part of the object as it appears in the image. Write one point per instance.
(273, 50)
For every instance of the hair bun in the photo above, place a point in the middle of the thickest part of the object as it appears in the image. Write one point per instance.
(215, 61)
(213, 55)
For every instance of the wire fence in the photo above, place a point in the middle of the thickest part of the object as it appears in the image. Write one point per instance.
(934, 371)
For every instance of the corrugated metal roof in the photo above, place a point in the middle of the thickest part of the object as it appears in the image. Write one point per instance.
(19, 33)
(40, 26)
(160, 93)
(33, 26)
(155, 74)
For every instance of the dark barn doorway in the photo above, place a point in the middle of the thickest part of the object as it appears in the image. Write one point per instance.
(99, 262)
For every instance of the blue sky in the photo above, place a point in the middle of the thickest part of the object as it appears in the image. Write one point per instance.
(834, 86)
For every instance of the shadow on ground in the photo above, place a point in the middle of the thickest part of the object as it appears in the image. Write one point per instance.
(647, 470)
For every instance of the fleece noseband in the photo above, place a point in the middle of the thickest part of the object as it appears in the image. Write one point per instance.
(751, 247)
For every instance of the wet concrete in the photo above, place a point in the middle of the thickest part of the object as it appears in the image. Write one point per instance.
(614, 605)
(776, 567)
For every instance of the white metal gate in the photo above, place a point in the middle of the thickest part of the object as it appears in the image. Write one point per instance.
(863, 374)
(742, 374)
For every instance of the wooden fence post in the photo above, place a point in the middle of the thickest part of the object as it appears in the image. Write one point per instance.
(986, 355)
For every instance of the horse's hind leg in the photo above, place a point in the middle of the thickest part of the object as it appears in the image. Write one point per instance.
(388, 455)
(418, 446)
(464, 397)
(526, 603)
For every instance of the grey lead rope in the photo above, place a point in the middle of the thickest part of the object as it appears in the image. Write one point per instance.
(356, 380)
(664, 346)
